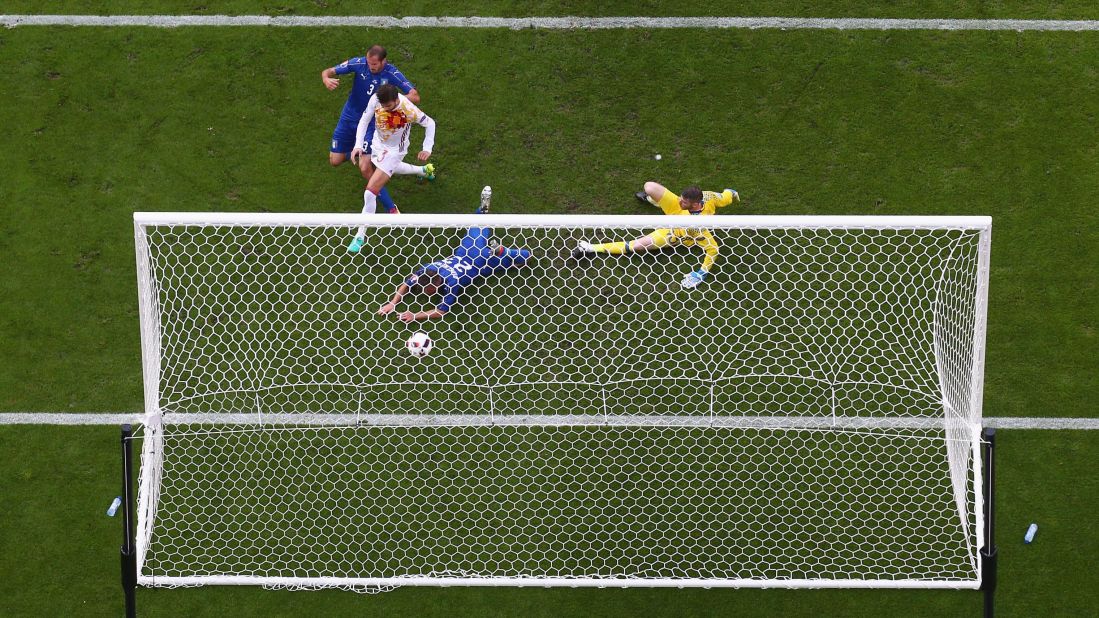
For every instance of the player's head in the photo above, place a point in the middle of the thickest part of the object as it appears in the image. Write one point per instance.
(428, 281)
(691, 199)
(387, 97)
(375, 59)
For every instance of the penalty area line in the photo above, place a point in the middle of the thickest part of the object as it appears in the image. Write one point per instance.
(552, 23)
(119, 418)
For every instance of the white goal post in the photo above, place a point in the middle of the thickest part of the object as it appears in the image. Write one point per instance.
(810, 416)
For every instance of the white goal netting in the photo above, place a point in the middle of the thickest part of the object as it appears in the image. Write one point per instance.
(808, 416)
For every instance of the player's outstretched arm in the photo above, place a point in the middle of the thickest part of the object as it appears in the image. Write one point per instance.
(429, 137)
(711, 247)
(364, 122)
(393, 302)
(416, 316)
(723, 199)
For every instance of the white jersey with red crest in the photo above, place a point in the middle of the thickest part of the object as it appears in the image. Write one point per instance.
(392, 128)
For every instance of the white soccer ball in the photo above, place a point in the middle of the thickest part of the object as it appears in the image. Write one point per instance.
(419, 345)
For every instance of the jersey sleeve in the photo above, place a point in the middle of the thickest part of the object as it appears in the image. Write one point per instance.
(412, 279)
(710, 247)
(715, 200)
(429, 131)
(449, 300)
(347, 66)
(400, 81)
(417, 115)
(364, 121)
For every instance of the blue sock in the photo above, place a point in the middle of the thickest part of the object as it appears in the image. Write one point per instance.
(386, 200)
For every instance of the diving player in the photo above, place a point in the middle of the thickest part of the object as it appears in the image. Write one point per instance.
(693, 201)
(476, 258)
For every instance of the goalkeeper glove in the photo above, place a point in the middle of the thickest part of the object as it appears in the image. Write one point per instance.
(692, 280)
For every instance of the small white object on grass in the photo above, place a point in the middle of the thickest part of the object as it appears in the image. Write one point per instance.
(657, 157)
(114, 506)
(1030, 532)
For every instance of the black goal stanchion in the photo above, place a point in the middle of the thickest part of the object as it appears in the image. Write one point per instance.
(129, 556)
(988, 552)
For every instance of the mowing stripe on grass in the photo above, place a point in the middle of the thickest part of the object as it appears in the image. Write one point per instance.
(117, 418)
(552, 23)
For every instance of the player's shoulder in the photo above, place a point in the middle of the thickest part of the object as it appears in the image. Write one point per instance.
(407, 105)
(352, 63)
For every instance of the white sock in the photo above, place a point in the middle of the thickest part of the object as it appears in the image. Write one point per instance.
(370, 202)
(405, 168)
(370, 206)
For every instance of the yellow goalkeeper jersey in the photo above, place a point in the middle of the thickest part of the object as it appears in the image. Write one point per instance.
(711, 201)
(689, 236)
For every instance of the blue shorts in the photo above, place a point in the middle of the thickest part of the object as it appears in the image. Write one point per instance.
(476, 246)
(475, 243)
(343, 138)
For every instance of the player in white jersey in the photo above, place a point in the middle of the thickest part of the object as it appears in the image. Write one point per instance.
(393, 116)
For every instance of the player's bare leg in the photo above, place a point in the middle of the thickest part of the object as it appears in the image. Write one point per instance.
(422, 171)
(367, 168)
(652, 194)
(370, 206)
(638, 245)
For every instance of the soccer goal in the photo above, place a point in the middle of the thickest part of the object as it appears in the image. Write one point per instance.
(809, 416)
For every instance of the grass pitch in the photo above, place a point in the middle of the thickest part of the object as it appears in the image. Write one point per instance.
(61, 552)
(101, 122)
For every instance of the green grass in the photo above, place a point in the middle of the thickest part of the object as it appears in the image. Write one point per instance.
(99, 123)
(999, 9)
(60, 550)
(555, 502)
(799, 122)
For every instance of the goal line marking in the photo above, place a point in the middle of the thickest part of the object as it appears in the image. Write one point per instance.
(553, 23)
(92, 418)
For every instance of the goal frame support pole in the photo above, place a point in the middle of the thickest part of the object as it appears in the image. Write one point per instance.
(128, 554)
(988, 552)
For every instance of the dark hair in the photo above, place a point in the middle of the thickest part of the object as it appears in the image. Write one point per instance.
(424, 278)
(387, 93)
(692, 194)
(377, 52)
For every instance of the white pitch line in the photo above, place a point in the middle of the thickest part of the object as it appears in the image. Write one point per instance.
(75, 418)
(554, 23)
(118, 418)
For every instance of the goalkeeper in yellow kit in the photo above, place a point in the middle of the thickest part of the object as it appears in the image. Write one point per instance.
(693, 201)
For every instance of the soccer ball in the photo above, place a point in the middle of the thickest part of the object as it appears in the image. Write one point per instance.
(419, 345)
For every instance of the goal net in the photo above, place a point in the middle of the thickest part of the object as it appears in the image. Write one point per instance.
(808, 416)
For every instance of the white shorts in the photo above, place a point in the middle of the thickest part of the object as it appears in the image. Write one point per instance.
(386, 159)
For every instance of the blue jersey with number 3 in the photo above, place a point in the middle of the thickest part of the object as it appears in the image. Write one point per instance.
(366, 84)
(473, 259)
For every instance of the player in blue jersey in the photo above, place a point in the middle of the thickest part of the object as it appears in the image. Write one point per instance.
(370, 72)
(477, 257)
